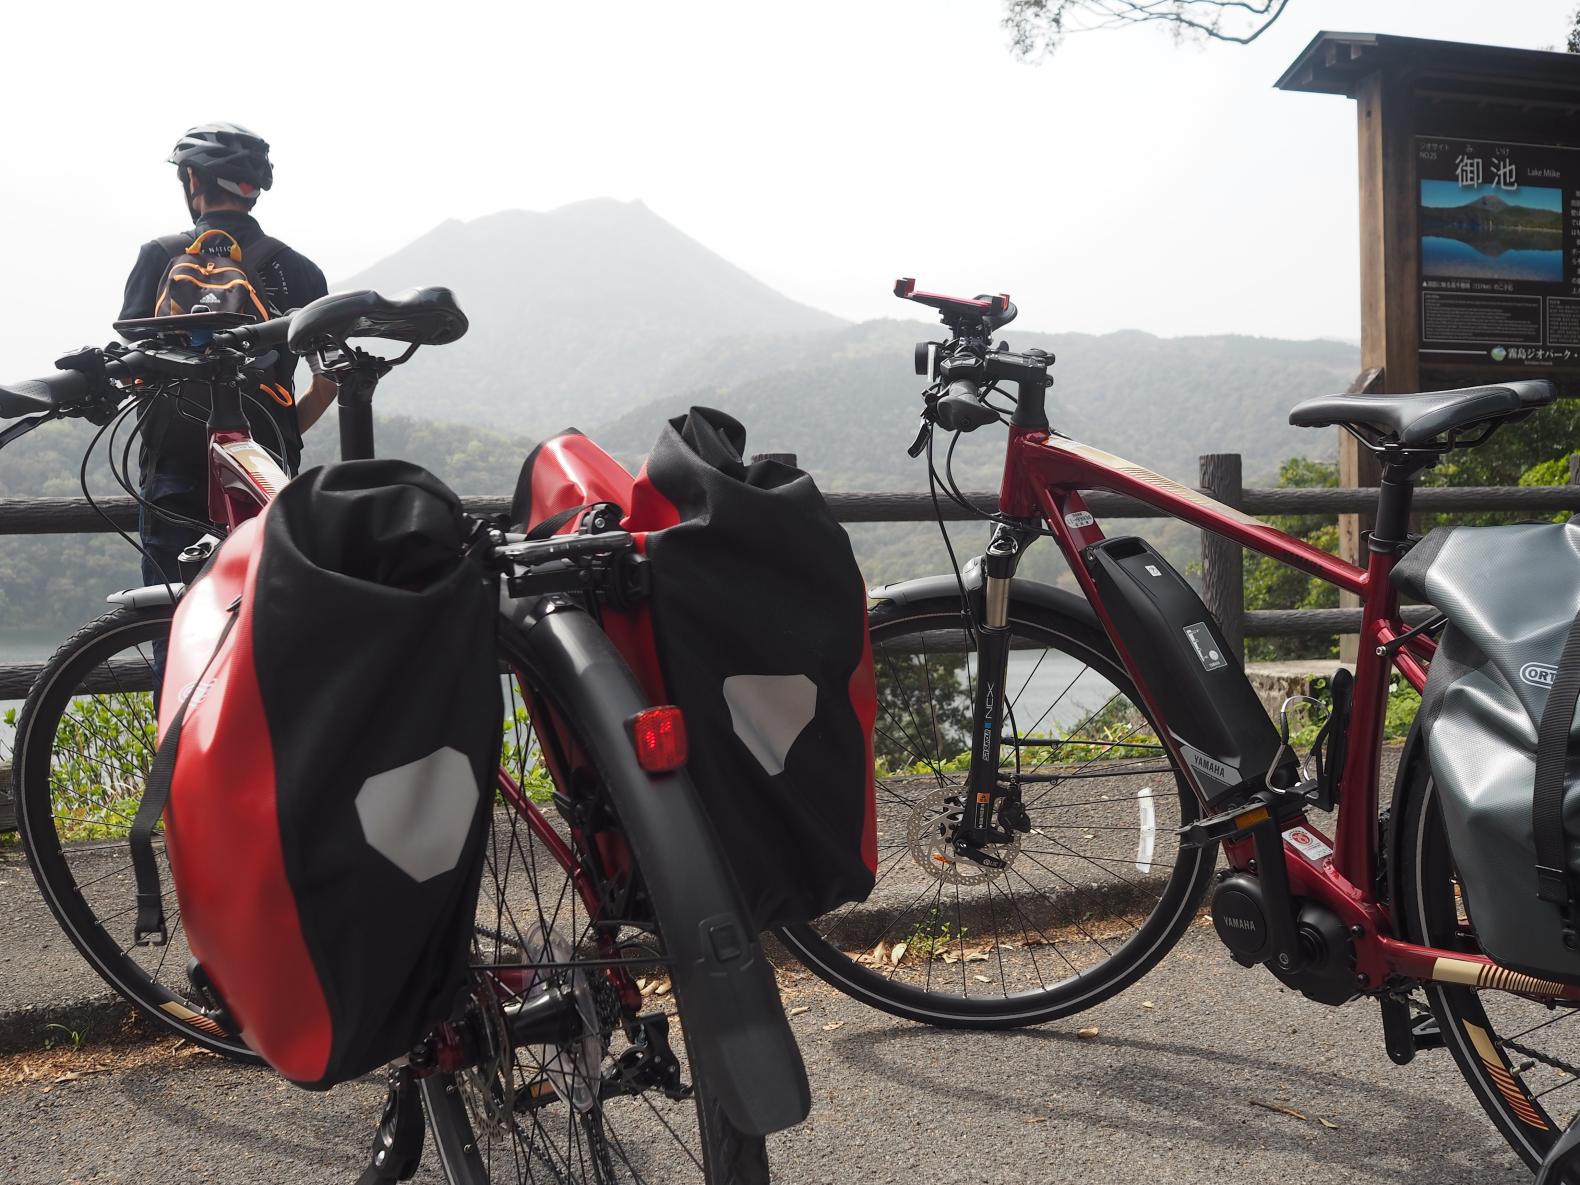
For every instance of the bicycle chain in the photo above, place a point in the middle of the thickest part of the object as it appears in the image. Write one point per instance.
(1555, 1063)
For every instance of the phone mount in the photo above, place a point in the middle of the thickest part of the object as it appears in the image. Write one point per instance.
(981, 315)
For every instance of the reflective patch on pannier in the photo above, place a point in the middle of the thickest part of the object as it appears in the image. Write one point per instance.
(418, 815)
(769, 712)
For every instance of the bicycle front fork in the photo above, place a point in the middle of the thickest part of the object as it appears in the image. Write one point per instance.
(992, 810)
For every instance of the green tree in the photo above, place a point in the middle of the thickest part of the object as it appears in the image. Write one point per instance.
(924, 711)
(1272, 585)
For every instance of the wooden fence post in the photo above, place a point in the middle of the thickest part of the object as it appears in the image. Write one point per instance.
(1222, 568)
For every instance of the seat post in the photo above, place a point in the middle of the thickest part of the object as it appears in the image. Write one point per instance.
(1394, 496)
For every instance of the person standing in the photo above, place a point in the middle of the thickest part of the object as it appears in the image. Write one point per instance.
(222, 167)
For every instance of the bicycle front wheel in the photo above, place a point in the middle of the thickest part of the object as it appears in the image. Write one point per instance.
(614, 1095)
(85, 740)
(1087, 900)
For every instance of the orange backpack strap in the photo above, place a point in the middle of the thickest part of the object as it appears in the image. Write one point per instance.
(197, 244)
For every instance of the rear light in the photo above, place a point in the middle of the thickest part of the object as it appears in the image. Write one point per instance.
(660, 738)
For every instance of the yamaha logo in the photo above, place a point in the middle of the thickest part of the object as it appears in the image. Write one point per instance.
(1237, 923)
(1538, 674)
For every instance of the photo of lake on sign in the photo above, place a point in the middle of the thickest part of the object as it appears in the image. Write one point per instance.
(1484, 233)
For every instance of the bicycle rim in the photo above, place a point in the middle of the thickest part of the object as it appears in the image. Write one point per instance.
(1520, 1056)
(554, 1111)
(85, 741)
(1090, 897)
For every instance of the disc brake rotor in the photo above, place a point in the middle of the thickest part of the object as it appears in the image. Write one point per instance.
(931, 835)
(572, 1067)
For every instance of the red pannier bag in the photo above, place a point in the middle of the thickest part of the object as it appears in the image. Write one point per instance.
(330, 723)
(756, 627)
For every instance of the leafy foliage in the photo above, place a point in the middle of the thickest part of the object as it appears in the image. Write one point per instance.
(103, 749)
(1272, 585)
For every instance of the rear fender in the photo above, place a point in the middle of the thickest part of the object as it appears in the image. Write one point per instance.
(734, 1022)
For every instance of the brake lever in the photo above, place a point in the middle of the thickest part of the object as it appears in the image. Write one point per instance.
(923, 434)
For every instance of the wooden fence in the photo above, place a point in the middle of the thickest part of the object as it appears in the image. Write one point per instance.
(1223, 586)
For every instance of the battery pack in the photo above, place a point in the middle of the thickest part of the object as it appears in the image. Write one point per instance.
(1191, 675)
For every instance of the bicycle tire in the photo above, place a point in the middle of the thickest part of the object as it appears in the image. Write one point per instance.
(1521, 1094)
(477, 1139)
(852, 957)
(59, 737)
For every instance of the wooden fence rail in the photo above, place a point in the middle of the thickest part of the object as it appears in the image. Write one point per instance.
(1222, 580)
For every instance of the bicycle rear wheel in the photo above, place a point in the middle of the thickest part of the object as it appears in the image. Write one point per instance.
(85, 740)
(615, 1094)
(1088, 900)
(1519, 1054)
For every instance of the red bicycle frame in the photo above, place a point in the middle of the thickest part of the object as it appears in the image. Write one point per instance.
(1044, 474)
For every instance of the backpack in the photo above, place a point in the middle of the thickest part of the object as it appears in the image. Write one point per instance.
(198, 280)
(755, 626)
(1498, 719)
(330, 724)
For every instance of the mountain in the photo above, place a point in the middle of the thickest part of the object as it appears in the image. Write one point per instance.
(846, 403)
(1488, 214)
(588, 306)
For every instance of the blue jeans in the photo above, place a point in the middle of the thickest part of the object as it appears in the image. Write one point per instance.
(162, 539)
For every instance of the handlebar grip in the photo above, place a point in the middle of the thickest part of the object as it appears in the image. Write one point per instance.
(961, 409)
(255, 339)
(61, 390)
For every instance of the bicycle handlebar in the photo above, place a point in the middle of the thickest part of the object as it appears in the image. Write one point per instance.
(259, 338)
(52, 392)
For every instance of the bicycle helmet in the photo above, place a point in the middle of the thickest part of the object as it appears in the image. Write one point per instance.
(237, 159)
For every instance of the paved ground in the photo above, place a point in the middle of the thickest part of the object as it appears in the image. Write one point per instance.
(1165, 1093)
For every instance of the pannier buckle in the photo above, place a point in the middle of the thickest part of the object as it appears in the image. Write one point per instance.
(150, 928)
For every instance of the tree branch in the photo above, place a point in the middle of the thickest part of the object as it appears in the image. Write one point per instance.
(1037, 27)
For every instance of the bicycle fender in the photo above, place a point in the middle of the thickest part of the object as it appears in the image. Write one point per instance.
(734, 1022)
(149, 594)
(944, 587)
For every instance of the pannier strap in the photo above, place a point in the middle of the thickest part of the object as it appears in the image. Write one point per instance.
(150, 929)
(1553, 879)
(554, 522)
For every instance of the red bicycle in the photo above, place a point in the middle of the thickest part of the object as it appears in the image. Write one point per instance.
(1058, 769)
(601, 873)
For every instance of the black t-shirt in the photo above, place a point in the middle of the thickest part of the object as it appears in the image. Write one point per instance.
(173, 443)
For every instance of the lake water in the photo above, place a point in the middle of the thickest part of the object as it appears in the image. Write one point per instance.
(1487, 260)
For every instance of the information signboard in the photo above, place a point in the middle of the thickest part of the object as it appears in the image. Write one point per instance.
(1499, 230)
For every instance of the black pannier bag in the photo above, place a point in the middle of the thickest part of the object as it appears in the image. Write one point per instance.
(1498, 719)
(756, 627)
(331, 722)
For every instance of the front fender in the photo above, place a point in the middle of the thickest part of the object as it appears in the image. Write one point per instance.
(906, 593)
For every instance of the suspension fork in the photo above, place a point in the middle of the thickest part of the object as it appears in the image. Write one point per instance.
(980, 817)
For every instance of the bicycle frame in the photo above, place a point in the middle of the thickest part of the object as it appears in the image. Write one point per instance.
(1044, 474)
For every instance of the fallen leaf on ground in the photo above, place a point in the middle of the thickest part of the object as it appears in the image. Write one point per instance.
(1332, 1127)
(1278, 1107)
(832, 1025)
(1088, 1034)
(797, 1011)
(1148, 1004)
(897, 954)
(981, 979)
(662, 989)
(1038, 1119)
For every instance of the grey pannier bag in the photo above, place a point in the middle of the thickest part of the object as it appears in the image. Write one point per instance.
(1498, 718)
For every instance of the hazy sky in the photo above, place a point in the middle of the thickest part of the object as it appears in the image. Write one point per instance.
(826, 147)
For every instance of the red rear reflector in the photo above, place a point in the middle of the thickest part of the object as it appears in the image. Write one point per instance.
(660, 738)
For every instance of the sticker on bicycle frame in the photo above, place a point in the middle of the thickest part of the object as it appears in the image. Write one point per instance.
(1207, 652)
(1077, 519)
(258, 465)
(1308, 843)
(1210, 767)
(1146, 477)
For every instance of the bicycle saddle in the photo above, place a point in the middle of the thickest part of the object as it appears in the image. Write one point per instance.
(418, 316)
(1416, 421)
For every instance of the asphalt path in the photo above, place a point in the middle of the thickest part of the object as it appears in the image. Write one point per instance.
(1179, 1084)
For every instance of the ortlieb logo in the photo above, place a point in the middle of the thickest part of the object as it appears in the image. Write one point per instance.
(1538, 674)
